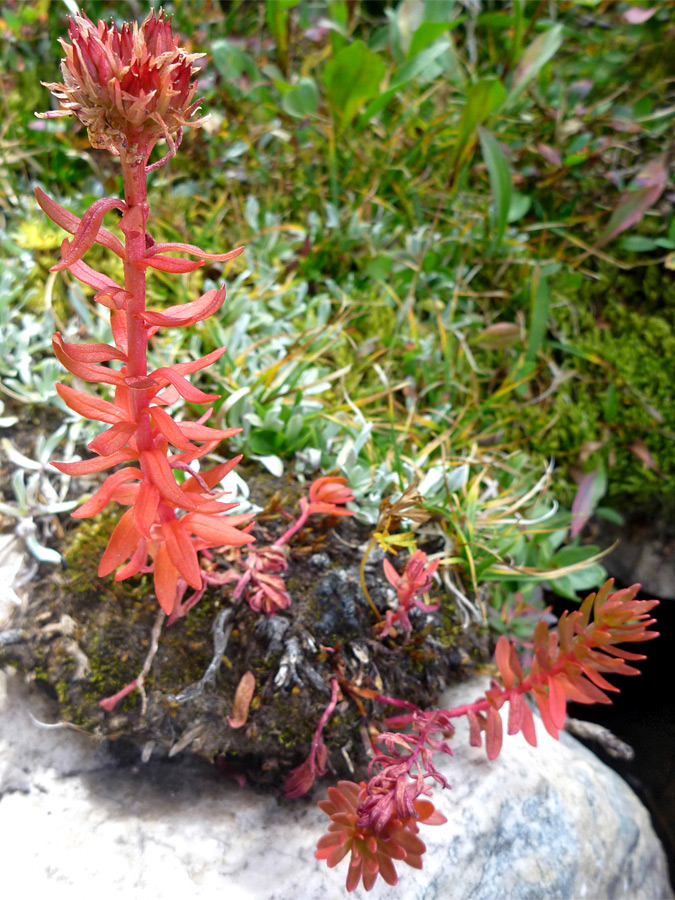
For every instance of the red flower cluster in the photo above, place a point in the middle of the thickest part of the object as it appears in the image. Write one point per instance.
(128, 86)
(372, 853)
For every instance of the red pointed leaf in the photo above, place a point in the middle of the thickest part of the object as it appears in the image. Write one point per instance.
(157, 466)
(112, 439)
(514, 664)
(169, 264)
(187, 313)
(196, 432)
(216, 529)
(579, 690)
(185, 457)
(123, 541)
(493, 733)
(118, 324)
(527, 727)
(87, 232)
(166, 580)
(170, 429)
(105, 493)
(516, 713)
(137, 561)
(213, 477)
(194, 365)
(502, 657)
(557, 702)
(70, 222)
(96, 464)
(183, 554)
(92, 353)
(90, 406)
(545, 713)
(474, 729)
(146, 505)
(182, 385)
(92, 278)
(193, 250)
(86, 371)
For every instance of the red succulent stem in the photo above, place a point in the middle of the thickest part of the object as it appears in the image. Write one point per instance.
(296, 526)
(133, 225)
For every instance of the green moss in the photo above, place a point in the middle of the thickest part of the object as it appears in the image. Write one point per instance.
(620, 396)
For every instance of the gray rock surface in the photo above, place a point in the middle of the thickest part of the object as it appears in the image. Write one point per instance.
(645, 553)
(547, 823)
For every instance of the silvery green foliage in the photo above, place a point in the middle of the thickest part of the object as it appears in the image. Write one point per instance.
(39, 494)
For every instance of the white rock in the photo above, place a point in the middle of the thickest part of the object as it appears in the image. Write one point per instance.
(547, 823)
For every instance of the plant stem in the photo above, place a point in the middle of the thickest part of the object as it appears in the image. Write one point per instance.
(133, 225)
(295, 527)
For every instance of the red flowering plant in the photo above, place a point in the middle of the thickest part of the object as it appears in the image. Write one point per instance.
(130, 88)
(377, 821)
(133, 87)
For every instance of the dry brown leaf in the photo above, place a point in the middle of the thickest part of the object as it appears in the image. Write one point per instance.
(242, 700)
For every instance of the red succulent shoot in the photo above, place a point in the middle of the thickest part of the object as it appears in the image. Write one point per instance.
(329, 494)
(371, 854)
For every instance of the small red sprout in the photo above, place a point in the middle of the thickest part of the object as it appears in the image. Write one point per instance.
(301, 779)
(328, 495)
(415, 580)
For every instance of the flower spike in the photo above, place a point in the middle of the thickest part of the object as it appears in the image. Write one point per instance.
(132, 87)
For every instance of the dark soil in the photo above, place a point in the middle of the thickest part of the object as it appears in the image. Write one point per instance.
(85, 638)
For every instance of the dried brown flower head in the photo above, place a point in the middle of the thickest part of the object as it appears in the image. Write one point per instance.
(130, 87)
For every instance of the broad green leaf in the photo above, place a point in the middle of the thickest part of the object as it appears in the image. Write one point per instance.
(540, 298)
(264, 441)
(569, 585)
(500, 180)
(482, 99)
(302, 99)
(409, 70)
(520, 205)
(427, 33)
(352, 77)
(572, 556)
(610, 515)
(534, 58)
(637, 243)
(231, 63)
